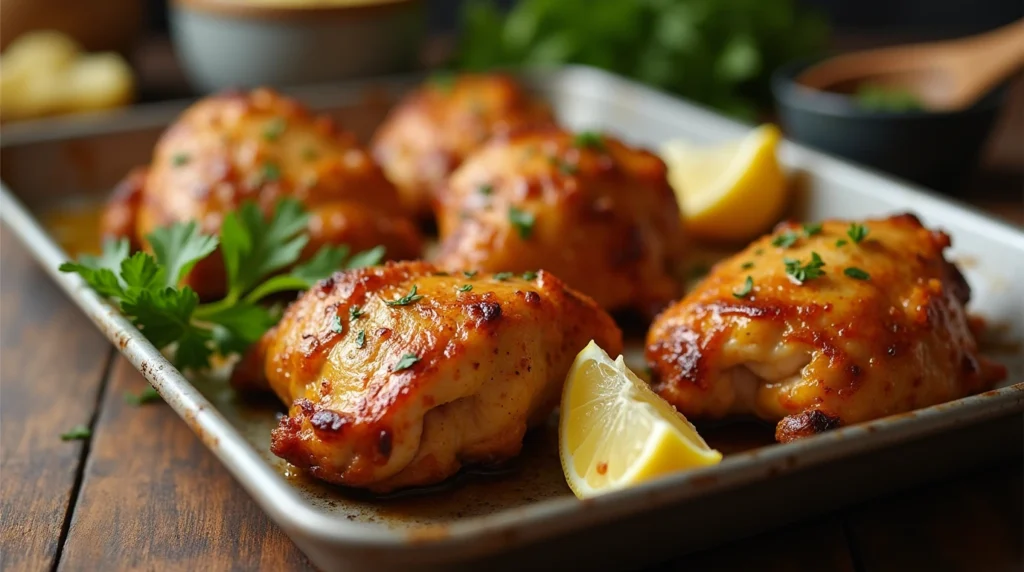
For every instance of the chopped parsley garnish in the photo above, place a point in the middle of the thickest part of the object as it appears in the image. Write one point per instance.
(801, 273)
(856, 273)
(405, 362)
(409, 298)
(759, 251)
(485, 189)
(336, 326)
(567, 167)
(588, 140)
(180, 159)
(529, 275)
(811, 229)
(256, 252)
(355, 312)
(743, 292)
(270, 173)
(469, 273)
(443, 81)
(274, 128)
(76, 433)
(785, 240)
(502, 276)
(361, 339)
(857, 232)
(465, 288)
(440, 274)
(747, 265)
(522, 220)
(148, 395)
(310, 154)
(841, 243)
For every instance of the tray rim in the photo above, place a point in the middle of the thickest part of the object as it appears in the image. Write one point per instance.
(489, 533)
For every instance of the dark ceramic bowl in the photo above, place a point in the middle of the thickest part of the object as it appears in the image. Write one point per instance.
(937, 150)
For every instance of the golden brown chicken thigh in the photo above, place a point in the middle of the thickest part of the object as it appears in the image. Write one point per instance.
(397, 375)
(595, 212)
(261, 146)
(881, 330)
(434, 128)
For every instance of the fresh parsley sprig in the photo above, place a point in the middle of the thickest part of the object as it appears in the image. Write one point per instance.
(799, 272)
(256, 250)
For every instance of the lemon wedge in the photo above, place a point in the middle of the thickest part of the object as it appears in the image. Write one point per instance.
(615, 432)
(730, 192)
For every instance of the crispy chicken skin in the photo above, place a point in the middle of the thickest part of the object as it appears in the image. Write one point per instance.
(595, 212)
(261, 146)
(437, 126)
(833, 351)
(391, 396)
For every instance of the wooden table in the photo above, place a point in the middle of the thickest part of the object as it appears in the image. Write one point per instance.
(144, 494)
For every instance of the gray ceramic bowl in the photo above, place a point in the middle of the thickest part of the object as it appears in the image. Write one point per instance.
(937, 150)
(233, 43)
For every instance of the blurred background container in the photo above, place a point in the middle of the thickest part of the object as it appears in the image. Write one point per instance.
(718, 52)
(226, 43)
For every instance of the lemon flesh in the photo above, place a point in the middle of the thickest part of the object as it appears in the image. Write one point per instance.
(730, 192)
(615, 432)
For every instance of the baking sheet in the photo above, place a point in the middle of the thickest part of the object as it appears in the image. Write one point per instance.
(524, 514)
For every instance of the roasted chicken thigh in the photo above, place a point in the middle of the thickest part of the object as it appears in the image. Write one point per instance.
(260, 146)
(595, 212)
(817, 327)
(435, 127)
(398, 375)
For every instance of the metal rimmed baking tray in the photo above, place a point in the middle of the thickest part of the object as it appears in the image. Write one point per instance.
(526, 517)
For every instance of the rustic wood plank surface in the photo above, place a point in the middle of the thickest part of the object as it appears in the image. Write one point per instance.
(51, 372)
(153, 497)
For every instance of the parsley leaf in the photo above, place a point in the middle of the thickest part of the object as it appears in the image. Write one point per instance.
(180, 159)
(747, 265)
(148, 395)
(361, 339)
(366, 258)
(274, 128)
(502, 276)
(529, 275)
(743, 292)
(522, 221)
(785, 240)
(178, 247)
(485, 189)
(811, 229)
(588, 140)
(801, 273)
(254, 248)
(857, 232)
(841, 243)
(469, 273)
(409, 298)
(443, 81)
(856, 273)
(76, 433)
(355, 312)
(465, 288)
(405, 362)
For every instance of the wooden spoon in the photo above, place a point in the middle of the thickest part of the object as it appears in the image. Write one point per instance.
(944, 76)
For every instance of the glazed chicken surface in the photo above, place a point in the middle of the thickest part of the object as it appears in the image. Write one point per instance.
(595, 212)
(432, 130)
(398, 375)
(882, 331)
(261, 146)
